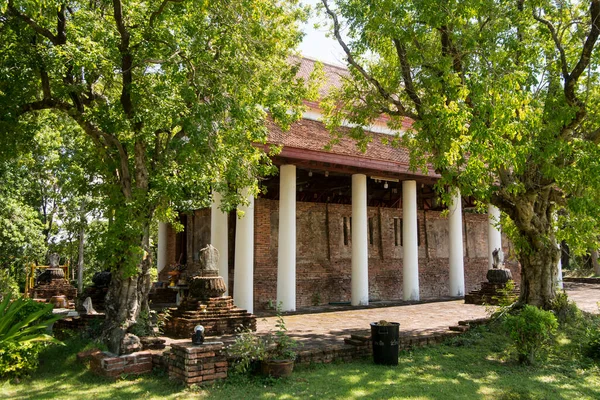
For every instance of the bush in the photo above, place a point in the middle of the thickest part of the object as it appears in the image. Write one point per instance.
(531, 330)
(565, 310)
(17, 360)
(22, 335)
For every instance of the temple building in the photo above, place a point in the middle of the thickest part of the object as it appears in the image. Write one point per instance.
(341, 225)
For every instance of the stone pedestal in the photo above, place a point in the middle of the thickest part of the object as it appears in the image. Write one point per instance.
(488, 294)
(52, 284)
(221, 317)
(197, 364)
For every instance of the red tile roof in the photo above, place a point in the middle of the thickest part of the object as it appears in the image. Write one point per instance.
(312, 135)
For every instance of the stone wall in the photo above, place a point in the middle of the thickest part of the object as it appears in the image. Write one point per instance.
(324, 250)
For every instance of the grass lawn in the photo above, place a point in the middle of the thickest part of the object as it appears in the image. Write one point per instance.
(476, 365)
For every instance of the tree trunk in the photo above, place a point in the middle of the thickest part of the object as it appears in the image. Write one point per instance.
(539, 271)
(539, 252)
(126, 298)
(595, 264)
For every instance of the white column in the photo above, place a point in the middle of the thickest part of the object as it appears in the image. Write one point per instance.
(457, 268)
(360, 241)
(559, 277)
(410, 241)
(243, 280)
(494, 235)
(219, 237)
(286, 248)
(161, 256)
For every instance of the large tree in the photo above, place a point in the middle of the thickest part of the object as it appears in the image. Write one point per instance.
(503, 101)
(172, 97)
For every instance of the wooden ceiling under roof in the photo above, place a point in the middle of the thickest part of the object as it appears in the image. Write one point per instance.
(322, 184)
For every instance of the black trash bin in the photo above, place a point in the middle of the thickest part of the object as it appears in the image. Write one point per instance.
(385, 342)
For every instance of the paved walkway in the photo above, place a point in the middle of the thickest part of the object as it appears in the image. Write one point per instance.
(417, 319)
(323, 327)
(586, 295)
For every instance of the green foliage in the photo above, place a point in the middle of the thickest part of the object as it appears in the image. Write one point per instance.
(506, 296)
(17, 360)
(248, 349)
(280, 346)
(502, 99)
(17, 325)
(158, 103)
(22, 337)
(8, 286)
(531, 331)
(592, 345)
(566, 311)
(144, 325)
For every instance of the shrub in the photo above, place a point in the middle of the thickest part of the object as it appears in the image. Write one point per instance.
(565, 310)
(22, 335)
(531, 330)
(17, 360)
(248, 349)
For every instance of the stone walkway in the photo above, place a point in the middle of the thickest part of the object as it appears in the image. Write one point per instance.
(415, 320)
(323, 327)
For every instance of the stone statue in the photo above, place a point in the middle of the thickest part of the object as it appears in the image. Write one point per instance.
(497, 262)
(209, 258)
(53, 260)
(207, 284)
(498, 274)
(87, 304)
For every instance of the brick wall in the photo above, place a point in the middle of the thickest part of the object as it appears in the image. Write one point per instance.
(324, 249)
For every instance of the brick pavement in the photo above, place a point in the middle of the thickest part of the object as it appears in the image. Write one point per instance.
(326, 328)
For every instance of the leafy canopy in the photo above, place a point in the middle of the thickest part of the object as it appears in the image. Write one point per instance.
(169, 98)
(502, 96)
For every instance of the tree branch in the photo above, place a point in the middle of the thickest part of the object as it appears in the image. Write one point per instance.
(382, 91)
(406, 74)
(557, 44)
(156, 13)
(34, 25)
(45, 104)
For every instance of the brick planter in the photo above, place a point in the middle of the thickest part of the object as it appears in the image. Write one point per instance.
(197, 364)
(111, 366)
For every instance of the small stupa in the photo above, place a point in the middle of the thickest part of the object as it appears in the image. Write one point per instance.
(53, 287)
(498, 276)
(205, 304)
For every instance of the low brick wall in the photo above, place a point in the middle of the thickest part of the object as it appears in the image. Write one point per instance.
(197, 364)
(111, 366)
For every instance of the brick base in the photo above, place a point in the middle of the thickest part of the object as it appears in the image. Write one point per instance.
(111, 366)
(197, 364)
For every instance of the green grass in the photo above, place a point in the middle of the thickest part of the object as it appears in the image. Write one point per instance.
(476, 365)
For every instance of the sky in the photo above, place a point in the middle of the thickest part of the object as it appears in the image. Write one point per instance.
(316, 44)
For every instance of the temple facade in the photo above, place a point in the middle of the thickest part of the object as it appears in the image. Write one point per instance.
(341, 225)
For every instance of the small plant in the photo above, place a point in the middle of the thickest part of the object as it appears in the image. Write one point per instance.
(531, 330)
(280, 346)
(566, 311)
(315, 299)
(592, 345)
(143, 326)
(248, 348)
(506, 296)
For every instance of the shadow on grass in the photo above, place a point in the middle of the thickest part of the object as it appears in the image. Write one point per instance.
(472, 366)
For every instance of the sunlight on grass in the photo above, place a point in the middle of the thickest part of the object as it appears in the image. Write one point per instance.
(546, 379)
